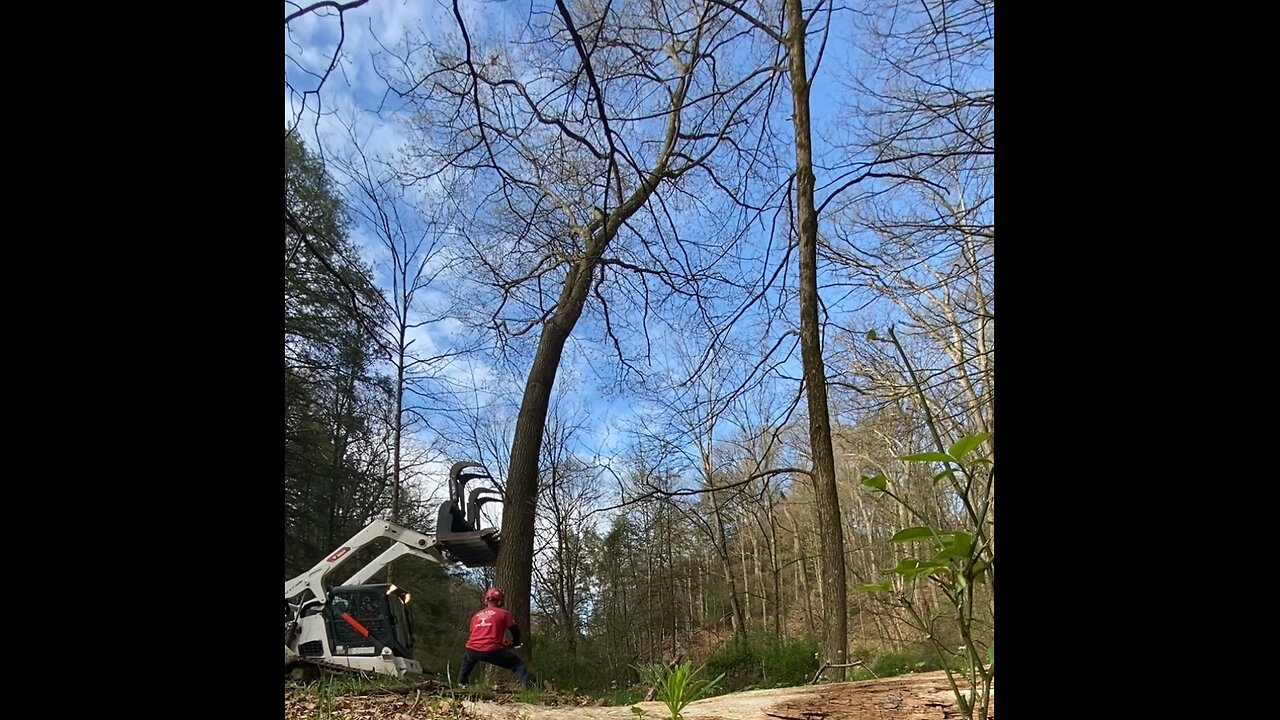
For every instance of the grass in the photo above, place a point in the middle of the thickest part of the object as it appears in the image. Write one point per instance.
(531, 696)
(330, 686)
(678, 686)
(345, 697)
(625, 696)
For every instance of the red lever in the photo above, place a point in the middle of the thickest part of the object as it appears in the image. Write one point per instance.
(355, 624)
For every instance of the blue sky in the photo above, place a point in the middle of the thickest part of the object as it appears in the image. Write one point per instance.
(355, 90)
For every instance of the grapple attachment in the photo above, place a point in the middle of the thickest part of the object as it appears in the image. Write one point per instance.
(458, 531)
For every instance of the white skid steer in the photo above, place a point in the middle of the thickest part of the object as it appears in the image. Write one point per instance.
(363, 627)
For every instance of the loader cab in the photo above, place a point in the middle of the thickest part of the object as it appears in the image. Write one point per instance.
(364, 618)
(458, 531)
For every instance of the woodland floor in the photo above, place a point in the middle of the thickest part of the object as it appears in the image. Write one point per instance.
(922, 696)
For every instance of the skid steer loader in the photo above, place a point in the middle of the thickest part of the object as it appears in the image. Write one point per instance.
(357, 626)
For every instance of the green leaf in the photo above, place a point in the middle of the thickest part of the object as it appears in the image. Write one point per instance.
(965, 445)
(906, 565)
(956, 545)
(871, 335)
(911, 564)
(878, 482)
(949, 472)
(910, 568)
(928, 457)
(913, 533)
(885, 586)
(991, 655)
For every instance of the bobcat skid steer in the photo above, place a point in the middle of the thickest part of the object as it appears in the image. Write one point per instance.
(358, 626)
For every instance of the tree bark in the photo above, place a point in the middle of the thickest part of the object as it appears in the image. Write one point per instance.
(779, 606)
(722, 549)
(399, 428)
(755, 568)
(824, 473)
(802, 567)
(746, 578)
(514, 572)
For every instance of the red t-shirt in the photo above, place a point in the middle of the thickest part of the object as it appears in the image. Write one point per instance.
(489, 629)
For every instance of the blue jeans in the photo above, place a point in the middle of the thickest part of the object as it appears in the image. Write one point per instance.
(502, 658)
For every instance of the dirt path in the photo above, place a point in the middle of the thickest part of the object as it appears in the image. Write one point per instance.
(924, 696)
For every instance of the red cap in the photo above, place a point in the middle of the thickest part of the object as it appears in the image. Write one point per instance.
(493, 595)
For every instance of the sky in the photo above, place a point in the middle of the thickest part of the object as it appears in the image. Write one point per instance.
(354, 89)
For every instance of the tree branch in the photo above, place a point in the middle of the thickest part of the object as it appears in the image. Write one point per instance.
(340, 7)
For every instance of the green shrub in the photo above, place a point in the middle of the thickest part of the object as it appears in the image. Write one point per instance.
(894, 663)
(915, 658)
(765, 662)
(787, 664)
(737, 662)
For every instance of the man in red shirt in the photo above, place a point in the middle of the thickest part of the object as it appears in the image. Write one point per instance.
(488, 642)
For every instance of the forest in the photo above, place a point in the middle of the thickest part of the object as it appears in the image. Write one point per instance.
(707, 286)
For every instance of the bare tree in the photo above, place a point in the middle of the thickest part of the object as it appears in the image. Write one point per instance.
(791, 34)
(924, 239)
(758, 446)
(920, 243)
(560, 162)
(693, 394)
(568, 496)
(415, 261)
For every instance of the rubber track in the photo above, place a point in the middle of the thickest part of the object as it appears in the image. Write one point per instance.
(326, 666)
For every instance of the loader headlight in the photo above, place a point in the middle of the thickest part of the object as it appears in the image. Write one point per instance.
(391, 589)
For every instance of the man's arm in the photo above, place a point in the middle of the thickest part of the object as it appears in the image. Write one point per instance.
(515, 633)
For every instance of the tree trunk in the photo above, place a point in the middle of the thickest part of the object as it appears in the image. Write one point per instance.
(648, 594)
(722, 548)
(515, 557)
(802, 567)
(672, 599)
(775, 572)
(824, 473)
(399, 431)
(746, 579)
(755, 567)
(568, 582)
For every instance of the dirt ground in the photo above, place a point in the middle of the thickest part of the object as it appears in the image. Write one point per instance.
(923, 696)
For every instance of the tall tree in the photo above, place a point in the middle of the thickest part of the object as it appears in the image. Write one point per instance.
(331, 390)
(815, 372)
(566, 147)
(414, 257)
(792, 36)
